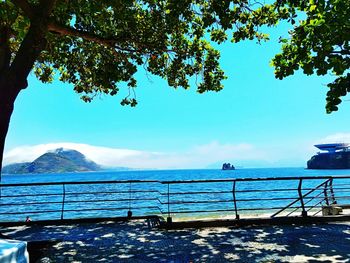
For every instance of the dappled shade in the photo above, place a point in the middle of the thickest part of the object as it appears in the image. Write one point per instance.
(136, 242)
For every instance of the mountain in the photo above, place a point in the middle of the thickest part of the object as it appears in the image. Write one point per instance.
(57, 161)
(9, 169)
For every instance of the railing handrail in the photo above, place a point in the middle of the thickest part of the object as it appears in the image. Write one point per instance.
(80, 182)
(179, 181)
(257, 179)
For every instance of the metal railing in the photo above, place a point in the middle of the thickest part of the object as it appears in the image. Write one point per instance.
(258, 197)
(226, 198)
(69, 200)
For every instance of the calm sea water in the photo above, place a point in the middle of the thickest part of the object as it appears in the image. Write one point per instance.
(169, 175)
(103, 200)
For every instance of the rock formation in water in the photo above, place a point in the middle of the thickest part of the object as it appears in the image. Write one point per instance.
(227, 166)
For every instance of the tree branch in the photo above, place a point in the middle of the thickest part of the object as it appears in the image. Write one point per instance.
(69, 31)
(34, 41)
(25, 6)
(63, 30)
(340, 52)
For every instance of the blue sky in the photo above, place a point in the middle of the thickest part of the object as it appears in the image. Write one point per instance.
(256, 121)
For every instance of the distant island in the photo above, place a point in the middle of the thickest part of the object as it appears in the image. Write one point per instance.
(227, 166)
(57, 161)
(332, 156)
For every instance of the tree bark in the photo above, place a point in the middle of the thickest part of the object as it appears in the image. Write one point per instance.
(6, 107)
(13, 76)
(8, 95)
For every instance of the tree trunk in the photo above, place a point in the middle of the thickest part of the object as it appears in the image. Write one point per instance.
(8, 95)
(13, 76)
(6, 109)
(6, 106)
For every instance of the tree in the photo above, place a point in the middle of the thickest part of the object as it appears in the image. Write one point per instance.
(319, 43)
(98, 46)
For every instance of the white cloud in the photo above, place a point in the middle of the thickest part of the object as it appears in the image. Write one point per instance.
(212, 154)
(102, 155)
(198, 157)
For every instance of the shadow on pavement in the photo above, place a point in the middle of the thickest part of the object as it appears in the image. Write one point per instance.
(135, 241)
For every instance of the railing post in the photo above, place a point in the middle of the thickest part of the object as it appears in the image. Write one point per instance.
(325, 192)
(303, 212)
(63, 200)
(129, 212)
(332, 191)
(234, 199)
(169, 219)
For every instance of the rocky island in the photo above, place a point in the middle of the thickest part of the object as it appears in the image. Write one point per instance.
(332, 156)
(227, 166)
(57, 161)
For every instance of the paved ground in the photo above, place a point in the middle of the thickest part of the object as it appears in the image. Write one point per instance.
(135, 242)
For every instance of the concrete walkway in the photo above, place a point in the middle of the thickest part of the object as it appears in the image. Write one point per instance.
(134, 241)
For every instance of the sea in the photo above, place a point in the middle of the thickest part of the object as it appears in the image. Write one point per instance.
(178, 200)
(167, 175)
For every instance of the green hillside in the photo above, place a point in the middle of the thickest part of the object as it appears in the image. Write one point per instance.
(57, 161)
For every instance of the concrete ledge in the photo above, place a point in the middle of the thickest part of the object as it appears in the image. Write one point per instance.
(254, 221)
(160, 222)
(80, 220)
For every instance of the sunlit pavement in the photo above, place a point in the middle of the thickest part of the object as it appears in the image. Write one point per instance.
(134, 241)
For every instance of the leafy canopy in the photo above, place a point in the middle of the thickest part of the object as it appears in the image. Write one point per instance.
(318, 44)
(99, 45)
